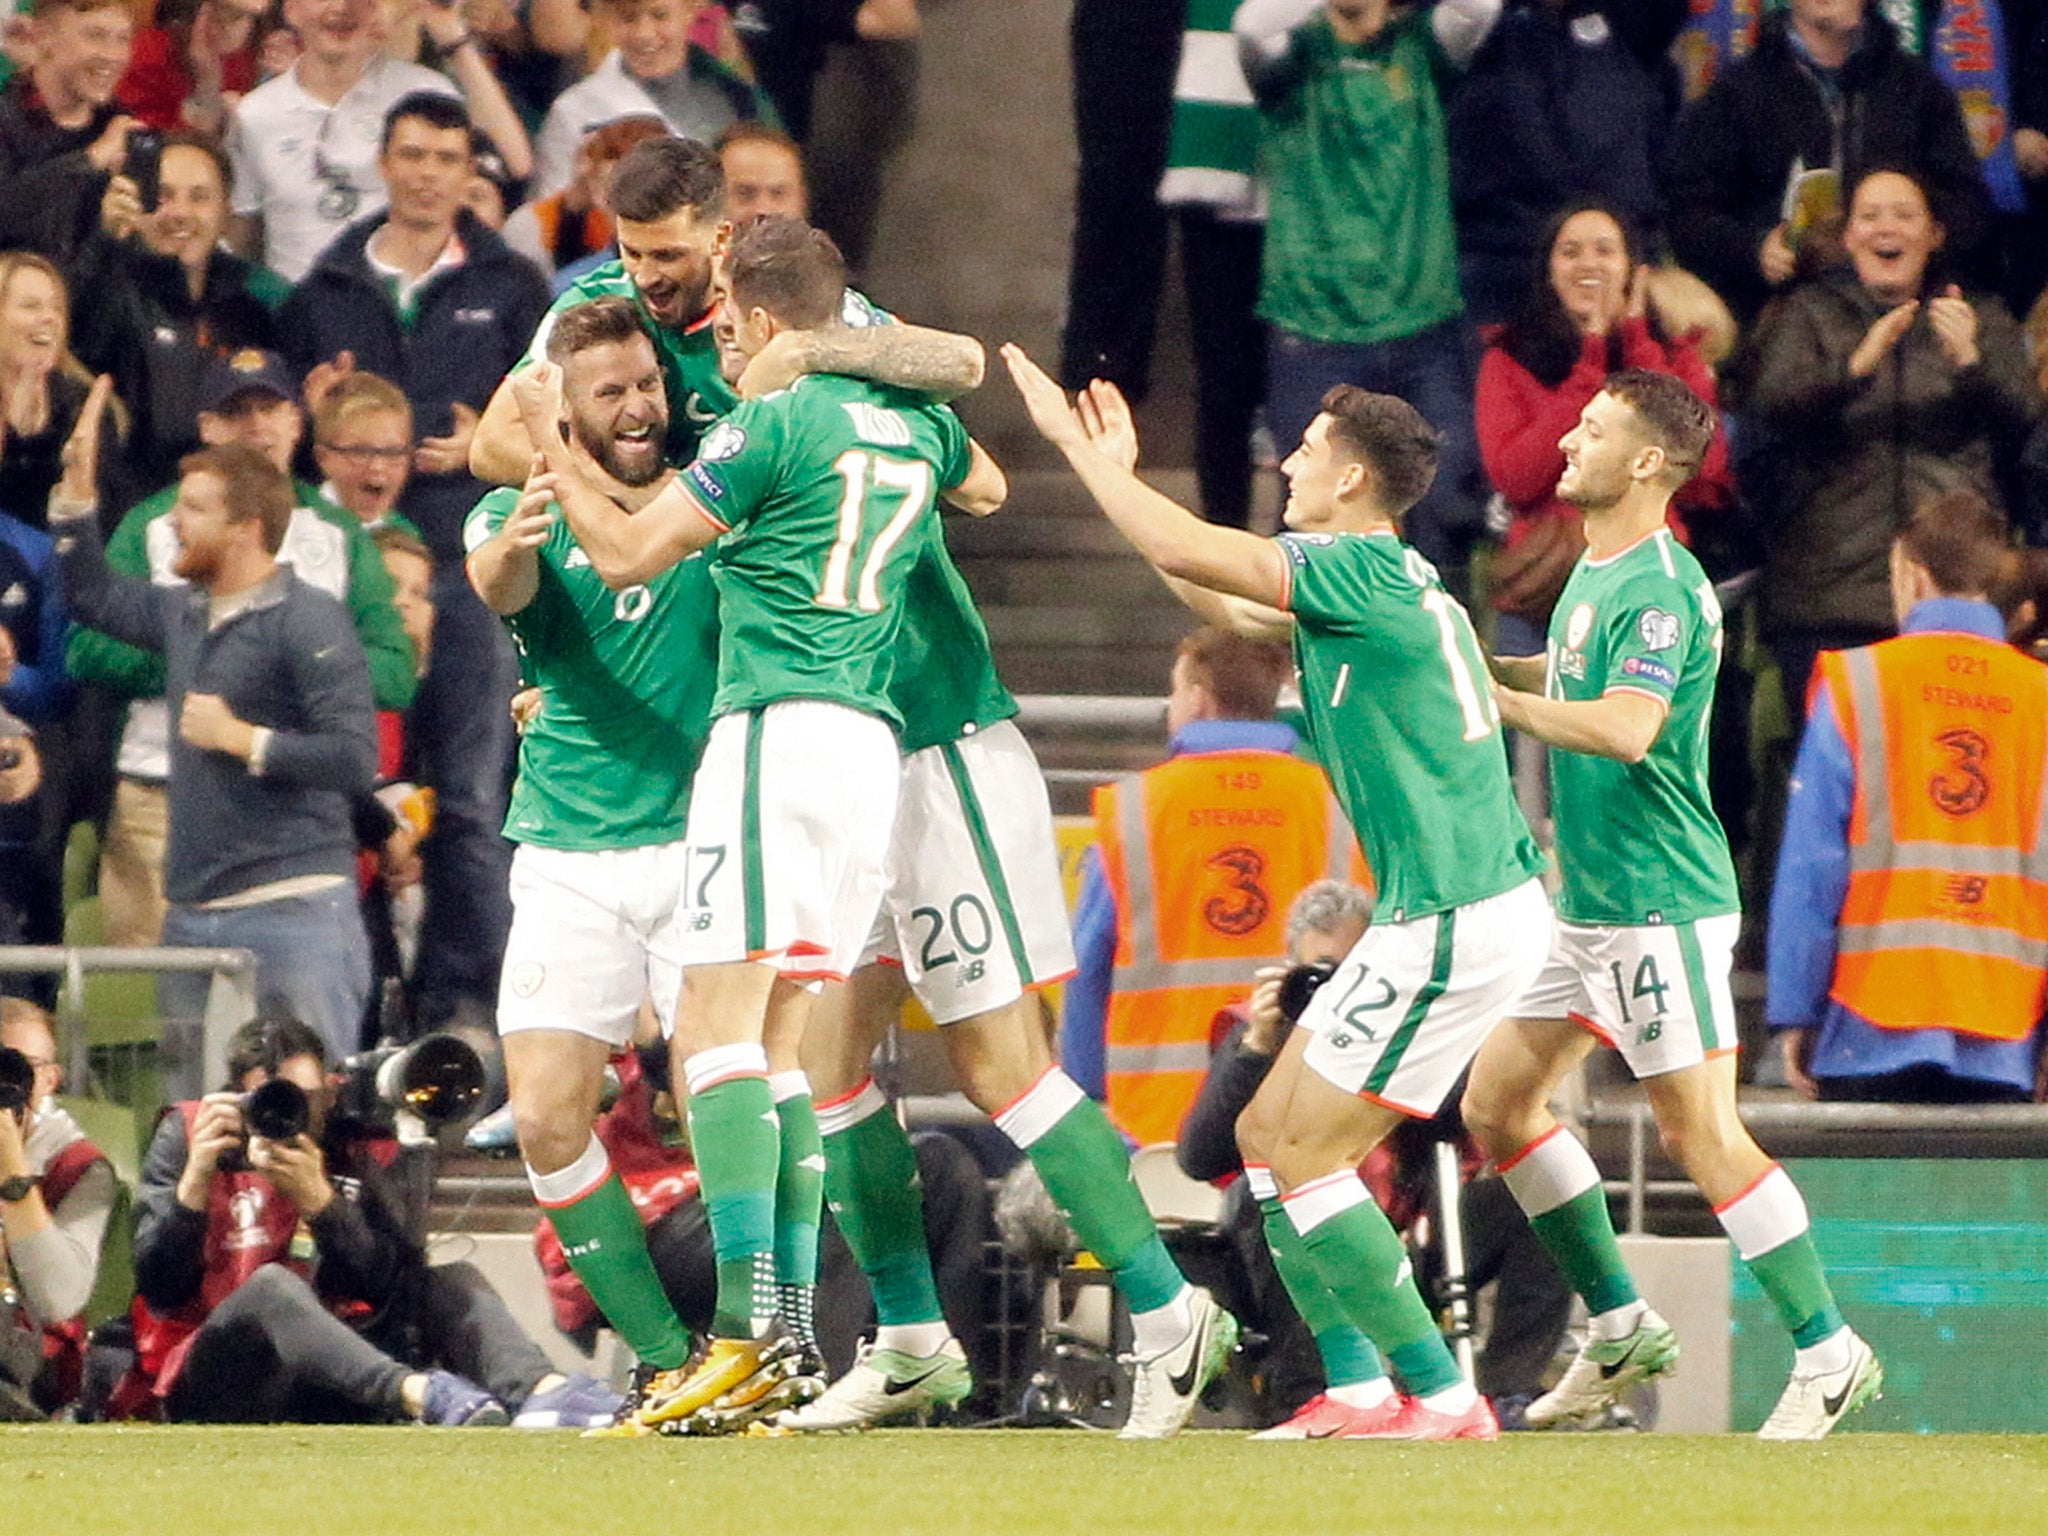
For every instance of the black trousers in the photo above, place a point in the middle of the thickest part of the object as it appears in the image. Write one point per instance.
(1220, 261)
(272, 1354)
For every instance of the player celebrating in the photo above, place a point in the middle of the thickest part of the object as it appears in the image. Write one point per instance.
(1394, 689)
(824, 493)
(599, 807)
(1649, 912)
(668, 198)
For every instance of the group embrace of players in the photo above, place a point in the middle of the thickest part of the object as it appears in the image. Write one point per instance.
(774, 781)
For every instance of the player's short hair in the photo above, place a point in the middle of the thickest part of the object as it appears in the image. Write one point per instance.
(393, 540)
(658, 178)
(432, 108)
(1671, 416)
(783, 265)
(266, 1044)
(359, 393)
(255, 487)
(1324, 907)
(1390, 437)
(1962, 542)
(593, 324)
(1243, 675)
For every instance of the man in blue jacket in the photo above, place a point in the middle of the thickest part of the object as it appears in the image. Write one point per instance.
(273, 734)
(425, 295)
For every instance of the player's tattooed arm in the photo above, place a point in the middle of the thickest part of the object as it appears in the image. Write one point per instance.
(1523, 672)
(1176, 542)
(940, 364)
(1622, 724)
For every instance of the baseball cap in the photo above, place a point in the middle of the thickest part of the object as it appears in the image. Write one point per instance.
(242, 371)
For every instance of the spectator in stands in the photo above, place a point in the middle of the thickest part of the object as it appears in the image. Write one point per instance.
(362, 441)
(1289, 1302)
(788, 42)
(1185, 893)
(764, 172)
(238, 1319)
(61, 132)
(42, 389)
(430, 299)
(1587, 310)
(644, 1135)
(307, 145)
(1828, 90)
(1568, 99)
(655, 69)
(273, 733)
(57, 1193)
(247, 401)
(186, 74)
(574, 225)
(1906, 935)
(168, 298)
(1887, 386)
(1360, 278)
(33, 692)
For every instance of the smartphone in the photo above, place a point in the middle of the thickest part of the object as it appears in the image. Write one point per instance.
(145, 166)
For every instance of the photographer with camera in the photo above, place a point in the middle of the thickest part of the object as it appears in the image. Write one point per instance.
(277, 1283)
(61, 131)
(56, 1193)
(1532, 1303)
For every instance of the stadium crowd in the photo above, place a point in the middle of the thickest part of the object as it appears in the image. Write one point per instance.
(309, 240)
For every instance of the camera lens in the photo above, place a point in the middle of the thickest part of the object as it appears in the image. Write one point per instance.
(1298, 986)
(277, 1111)
(17, 1081)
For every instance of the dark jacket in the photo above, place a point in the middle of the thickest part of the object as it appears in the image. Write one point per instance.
(1861, 454)
(470, 326)
(1737, 143)
(289, 662)
(30, 465)
(49, 192)
(141, 324)
(1546, 116)
(1207, 1146)
(365, 1251)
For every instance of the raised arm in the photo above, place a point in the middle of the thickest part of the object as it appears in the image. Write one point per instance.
(489, 107)
(500, 452)
(126, 607)
(505, 568)
(1176, 542)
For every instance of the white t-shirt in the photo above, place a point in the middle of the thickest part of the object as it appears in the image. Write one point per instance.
(308, 169)
(605, 95)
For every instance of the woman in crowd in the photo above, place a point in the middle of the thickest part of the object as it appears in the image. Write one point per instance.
(1592, 308)
(1883, 385)
(42, 389)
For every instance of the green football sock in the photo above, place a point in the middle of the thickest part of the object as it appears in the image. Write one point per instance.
(1769, 1226)
(1557, 1184)
(872, 1186)
(799, 1198)
(735, 1138)
(1365, 1267)
(1087, 1171)
(1349, 1360)
(606, 1245)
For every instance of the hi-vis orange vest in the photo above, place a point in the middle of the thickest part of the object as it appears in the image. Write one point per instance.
(1203, 855)
(1946, 922)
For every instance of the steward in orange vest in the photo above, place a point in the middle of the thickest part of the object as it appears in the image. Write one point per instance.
(1919, 822)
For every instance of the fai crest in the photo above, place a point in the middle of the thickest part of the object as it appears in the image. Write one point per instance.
(1658, 629)
(724, 441)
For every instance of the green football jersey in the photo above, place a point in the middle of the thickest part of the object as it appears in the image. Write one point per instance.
(1639, 842)
(945, 684)
(697, 392)
(626, 680)
(1401, 713)
(826, 491)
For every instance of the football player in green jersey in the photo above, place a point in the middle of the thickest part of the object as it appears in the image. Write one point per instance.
(1397, 704)
(1648, 911)
(824, 496)
(599, 808)
(668, 201)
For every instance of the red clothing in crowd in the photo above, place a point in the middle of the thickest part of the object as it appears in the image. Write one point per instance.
(159, 80)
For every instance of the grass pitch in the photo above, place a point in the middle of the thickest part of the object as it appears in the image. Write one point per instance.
(370, 1482)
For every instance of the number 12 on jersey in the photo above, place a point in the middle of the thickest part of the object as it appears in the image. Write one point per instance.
(878, 477)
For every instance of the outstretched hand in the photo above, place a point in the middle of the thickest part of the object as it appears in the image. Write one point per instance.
(1057, 421)
(1106, 418)
(79, 484)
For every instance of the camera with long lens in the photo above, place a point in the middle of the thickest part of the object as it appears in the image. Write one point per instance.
(17, 1082)
(277, 1111)
(411, 1091)
(1299, 986)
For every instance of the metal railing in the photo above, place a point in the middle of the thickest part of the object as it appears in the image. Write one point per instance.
(230, 1000)
(1900, 1130)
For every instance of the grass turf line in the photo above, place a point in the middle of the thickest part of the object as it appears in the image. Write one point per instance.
(368, 1482)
